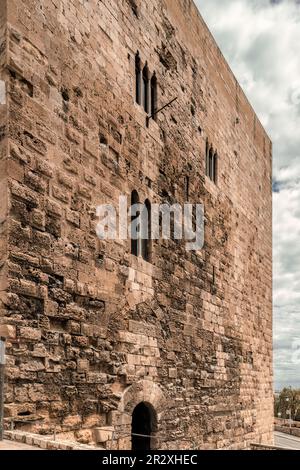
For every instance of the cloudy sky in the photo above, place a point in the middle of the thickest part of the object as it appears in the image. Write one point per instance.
(260, 39)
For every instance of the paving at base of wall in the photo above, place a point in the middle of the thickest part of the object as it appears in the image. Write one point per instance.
(288, 430)
(48, 443)
(13, 445)
(45, 442)
(265, 447)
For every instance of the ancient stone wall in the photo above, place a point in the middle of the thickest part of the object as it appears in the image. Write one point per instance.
(3, 156)
(92, 325)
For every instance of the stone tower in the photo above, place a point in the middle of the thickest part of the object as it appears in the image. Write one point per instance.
(104, 339)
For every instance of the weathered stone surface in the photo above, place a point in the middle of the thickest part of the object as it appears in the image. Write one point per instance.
(8, 331)
(92, 330)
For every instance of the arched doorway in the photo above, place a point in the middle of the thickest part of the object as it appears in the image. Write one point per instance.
(143, 426)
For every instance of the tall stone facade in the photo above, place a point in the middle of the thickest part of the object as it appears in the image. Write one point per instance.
(92, 330)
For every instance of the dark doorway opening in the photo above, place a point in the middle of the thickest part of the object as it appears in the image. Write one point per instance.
(143, 425)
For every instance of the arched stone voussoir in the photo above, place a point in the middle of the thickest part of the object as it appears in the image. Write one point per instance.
(143, 391)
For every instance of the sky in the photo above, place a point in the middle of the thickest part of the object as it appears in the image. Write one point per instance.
(260, 39)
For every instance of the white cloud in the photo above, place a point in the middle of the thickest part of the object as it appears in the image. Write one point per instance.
(260, 39)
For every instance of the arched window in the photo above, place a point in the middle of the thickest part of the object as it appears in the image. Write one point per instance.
(215, 168)
(146, 231)
(211, 158)
(137, 78)
(146, 88)
(135, 228)
(140, 227)
(153, 95)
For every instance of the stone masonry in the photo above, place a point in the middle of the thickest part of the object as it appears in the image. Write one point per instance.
(92, 330)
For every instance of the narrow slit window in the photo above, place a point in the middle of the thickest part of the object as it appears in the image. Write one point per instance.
(211, 164)
(135, 229)
(138, 78)
(146, 232)
(207, 157)
(187, 188)
(153, 96)
(146, 88)
(215, 166)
